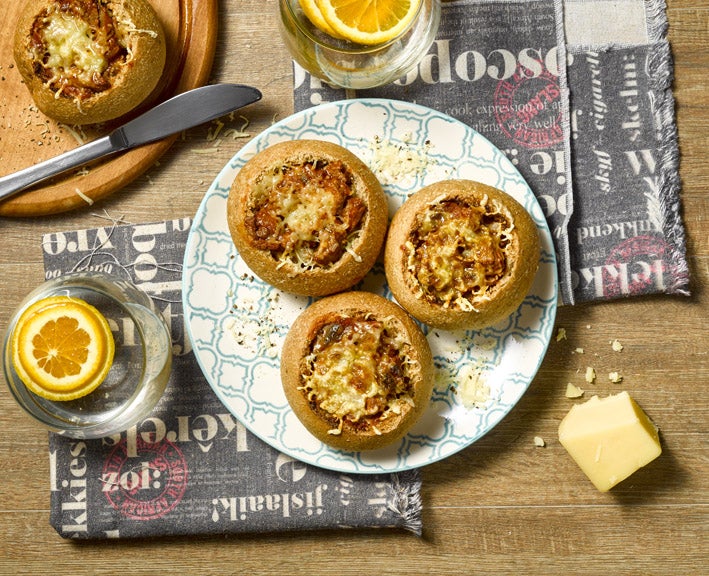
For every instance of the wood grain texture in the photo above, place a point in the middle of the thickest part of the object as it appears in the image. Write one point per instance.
(28, 137)
(502, 506)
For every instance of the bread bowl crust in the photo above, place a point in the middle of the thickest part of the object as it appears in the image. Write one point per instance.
(297, 346)
(353, 264)
(132, 82)
(521, 256)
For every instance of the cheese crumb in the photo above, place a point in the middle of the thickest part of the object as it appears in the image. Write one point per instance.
(573, 391)
(473, 389)
(561, 334)
(615, 377)
(539, 441)
(616, 345)
(590, 375)
(579, 350)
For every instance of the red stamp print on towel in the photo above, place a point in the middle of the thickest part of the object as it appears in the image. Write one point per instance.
(636, 266)
(148, 486)
(528, 108)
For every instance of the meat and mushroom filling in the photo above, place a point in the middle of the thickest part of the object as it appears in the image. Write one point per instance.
(306, 214)
(357, 372)
(76, 48)
(456, 252)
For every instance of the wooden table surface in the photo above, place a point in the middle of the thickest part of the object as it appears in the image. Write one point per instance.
(502, 505)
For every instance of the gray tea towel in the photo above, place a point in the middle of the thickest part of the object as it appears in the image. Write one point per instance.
(626, 232)
(577, 93)
(191, 467)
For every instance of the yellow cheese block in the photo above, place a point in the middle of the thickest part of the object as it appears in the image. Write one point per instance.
(609, 438)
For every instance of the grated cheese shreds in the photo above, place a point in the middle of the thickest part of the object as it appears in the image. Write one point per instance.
(338, 366)
(441, 251)
(211, 150)
(393, 162)
(84, 197)
(133, 30)
(235, 134)
(215, 130)
(78, 136)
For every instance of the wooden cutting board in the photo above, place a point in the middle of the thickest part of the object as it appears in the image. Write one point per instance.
(27, 136)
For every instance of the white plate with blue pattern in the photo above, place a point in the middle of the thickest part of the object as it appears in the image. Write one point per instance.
(237, 323)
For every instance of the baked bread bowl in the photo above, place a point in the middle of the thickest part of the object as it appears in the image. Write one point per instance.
(356, 370)
(461, 255)
(307, 216)
(89, 61)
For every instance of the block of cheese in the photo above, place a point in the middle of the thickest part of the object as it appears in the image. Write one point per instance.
(609, 438)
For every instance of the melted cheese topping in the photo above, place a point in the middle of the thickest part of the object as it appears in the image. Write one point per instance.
(358, 372)
(79, 47)
(70, 45)
(301, 211)
(306, 214)
(456, 252)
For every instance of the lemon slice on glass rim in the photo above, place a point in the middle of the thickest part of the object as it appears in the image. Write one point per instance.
(62, 348)
(365, 21)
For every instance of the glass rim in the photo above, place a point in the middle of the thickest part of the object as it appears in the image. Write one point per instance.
(300, 18)
(35, 408)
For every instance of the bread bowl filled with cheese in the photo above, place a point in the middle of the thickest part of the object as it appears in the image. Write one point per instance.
(89, 61)
(461, 255)
(357, 371)
(307, 216)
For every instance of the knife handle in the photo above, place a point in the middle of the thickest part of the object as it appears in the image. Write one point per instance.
(18, 181)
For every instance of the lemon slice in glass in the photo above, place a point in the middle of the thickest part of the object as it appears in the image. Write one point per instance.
(368, 21)
(62, 348)
(312, 12)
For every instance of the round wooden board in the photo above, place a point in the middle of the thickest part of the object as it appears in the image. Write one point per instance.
(27, 136)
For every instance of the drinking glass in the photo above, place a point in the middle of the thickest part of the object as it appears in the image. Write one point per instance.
(141, 364)
(356, 66)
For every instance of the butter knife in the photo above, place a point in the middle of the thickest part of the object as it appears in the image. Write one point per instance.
(180, 112)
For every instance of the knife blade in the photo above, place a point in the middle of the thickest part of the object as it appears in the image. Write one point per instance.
(179, 113)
